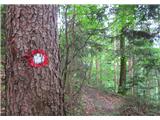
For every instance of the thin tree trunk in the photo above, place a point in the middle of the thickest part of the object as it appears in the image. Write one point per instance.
(68, 76)
(122, 80)
(130, 73)
(115, 76)
(32, 90)
(90, 71)
(72, 66)
(115, 68)
(158, 85)
(147, 83)
(97, 71)
(130, 67)
(67, 48)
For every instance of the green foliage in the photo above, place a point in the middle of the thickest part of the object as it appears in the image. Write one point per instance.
(90, 21)
(124, 17)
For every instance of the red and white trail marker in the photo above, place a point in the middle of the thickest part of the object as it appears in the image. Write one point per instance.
(38, 58)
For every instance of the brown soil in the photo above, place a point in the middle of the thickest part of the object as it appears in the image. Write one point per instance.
(96, 102)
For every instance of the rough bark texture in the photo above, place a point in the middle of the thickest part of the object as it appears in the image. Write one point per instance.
(30, 90)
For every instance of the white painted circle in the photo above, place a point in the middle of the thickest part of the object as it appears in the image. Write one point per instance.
(38, 58)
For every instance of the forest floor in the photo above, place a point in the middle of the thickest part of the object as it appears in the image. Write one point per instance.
(100, 103)
(97, 102)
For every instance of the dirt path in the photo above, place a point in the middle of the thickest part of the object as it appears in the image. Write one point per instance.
(96, 102)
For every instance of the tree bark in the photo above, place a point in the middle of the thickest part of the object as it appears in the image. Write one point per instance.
(32, 90)
(122, 80)
(67, 49)
(97, 71)
(115, 68)
(130, 74)
(158, 85)
(90, 71)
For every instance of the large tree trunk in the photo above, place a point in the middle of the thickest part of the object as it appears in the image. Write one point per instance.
(32, 90)
(122, 80)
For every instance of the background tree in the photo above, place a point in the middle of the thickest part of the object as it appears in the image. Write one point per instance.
(32, 90)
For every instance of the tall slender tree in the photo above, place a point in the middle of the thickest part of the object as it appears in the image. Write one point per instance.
(32, 90)
(122, 79)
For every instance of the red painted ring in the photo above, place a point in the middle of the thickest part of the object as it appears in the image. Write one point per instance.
(31, 59)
